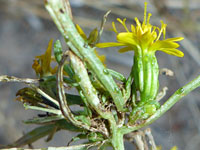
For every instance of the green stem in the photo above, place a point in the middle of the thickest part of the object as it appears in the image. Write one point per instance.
(74, 147)
(88, 89)
(117, 139)
(180, 93)
(63, 101)
(117, 75)
(54, 111)
(58, 52)
(61, 17)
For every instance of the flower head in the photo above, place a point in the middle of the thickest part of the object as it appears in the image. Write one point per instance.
(144, 36)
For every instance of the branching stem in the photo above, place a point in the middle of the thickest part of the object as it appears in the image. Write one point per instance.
(63, 102)
(180, 93)
(61, 17)
(6, 78)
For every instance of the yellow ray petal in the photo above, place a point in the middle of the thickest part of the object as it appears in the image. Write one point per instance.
(114, 27)
(163, 44)
(175, 39)
(123, 23)
(125, 49)
(126, 38)
(145, 13)
(174, 52)
(133, 28)
(110, 44)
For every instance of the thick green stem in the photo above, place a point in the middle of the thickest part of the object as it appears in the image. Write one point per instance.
(61, 17)
(64, 107)
(180, 93)
(88, 89)
(117, 140)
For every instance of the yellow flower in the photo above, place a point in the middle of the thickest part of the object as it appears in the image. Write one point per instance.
(42, 64)
(91, 40)
(145, 37)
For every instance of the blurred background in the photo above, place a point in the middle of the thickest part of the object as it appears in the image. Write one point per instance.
(26, 28)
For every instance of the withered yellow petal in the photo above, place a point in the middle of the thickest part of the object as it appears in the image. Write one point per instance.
(93, 37)
(46, 59)
(42, 63)
(36, 66)
(81, 32)
(101, 57)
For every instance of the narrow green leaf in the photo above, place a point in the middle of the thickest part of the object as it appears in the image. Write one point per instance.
(65, 125)
(117, 75)
(83, 119)
(32, 136)
(74, 100)
(58, 52)
(41, 120)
